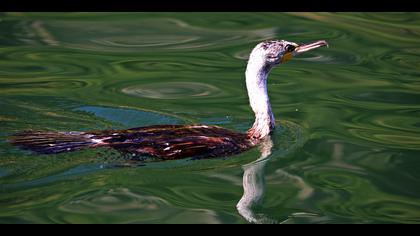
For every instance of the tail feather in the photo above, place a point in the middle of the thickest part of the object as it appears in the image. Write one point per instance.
(52, 142)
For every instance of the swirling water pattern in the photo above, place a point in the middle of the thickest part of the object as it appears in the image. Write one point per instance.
(357, 103)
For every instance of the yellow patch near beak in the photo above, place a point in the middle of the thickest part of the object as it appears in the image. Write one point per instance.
(286, 57)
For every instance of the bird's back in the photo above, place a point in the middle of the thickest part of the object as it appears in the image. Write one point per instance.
(161, 141)
(175, 141)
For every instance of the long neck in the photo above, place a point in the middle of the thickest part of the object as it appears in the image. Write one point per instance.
(256, 83)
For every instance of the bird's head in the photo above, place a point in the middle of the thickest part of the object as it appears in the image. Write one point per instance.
(275, 52)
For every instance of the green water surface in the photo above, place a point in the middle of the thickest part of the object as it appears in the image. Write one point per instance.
(346, 150)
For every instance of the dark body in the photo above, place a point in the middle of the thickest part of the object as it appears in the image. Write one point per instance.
(161, 141)
(176, 141)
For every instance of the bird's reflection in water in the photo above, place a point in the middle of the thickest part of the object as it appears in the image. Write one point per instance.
(254, 187)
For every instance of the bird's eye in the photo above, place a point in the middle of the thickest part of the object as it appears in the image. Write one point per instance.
(290, 48)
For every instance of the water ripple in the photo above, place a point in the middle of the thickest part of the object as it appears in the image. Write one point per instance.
(113, 200)
(21, 62)
(405, 59)
(173, 90)
(131, 36)
(136, 207)
(178, 63)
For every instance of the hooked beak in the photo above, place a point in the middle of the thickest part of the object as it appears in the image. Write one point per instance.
(307, 47)
(303, 48)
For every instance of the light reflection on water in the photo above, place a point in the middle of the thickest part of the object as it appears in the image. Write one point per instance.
(356, 103)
